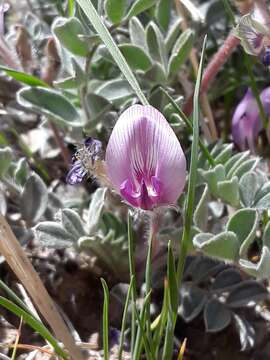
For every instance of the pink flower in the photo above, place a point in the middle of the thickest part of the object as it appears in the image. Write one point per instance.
(246, 122)
(144, 159)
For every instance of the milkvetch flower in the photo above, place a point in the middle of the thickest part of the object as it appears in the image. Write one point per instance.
(246, 122)
(144, 159)
(85, 161)
(254, 32)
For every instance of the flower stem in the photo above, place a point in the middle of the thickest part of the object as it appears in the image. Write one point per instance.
(247, 59)
(131, 256)
(213, 68)
(210, 124)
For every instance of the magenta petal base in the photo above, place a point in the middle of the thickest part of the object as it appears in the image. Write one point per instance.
(146, 196)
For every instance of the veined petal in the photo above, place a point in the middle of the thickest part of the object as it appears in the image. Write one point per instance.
(144, 150)
(251, 35)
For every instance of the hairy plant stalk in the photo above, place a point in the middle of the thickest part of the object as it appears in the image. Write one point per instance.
(206, 108)
(214, 66)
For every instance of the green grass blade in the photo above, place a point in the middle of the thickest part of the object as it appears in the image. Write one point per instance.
(124, 318)
(105, 320)
(142, 335)
(172, 282)
(106, 37)
(14, 297)
(192, 174)
(23, 77)
(188, 216)
(162, 321)
(71, 7)
(131, 253)
(34, 323)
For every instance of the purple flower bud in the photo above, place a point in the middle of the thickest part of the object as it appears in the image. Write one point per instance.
(144, 159)
(246, 122)
(84, 161)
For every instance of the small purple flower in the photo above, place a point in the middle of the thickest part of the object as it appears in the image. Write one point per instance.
(254, 32)
(144, 159)
(246, 122)
(84, 161)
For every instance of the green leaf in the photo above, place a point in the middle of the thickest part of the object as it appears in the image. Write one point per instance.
(156, 75)
(192, 301)
(156, 44)
(97, 107)
(72, 223)
(95, 210)
(224, 155)
(227, 279)
(51, 103)
(201, 210)
(138, 7)
(23, 77)
(106, 37)
(245, 292)
(222, 246)
(260, 270)
(173, 34)
(51, 234)
(181, 51)
(235, 162)
(66, 83)
(105, 327)
(228, 191)
(5, 160)
(163, 13)
(244, 224)
(136, 58)
(67, 31)
(34, 323)
(263, 203)
(213, 177)
(115, 90)
(137, 33)
(266, 235)
(216, 316)
(21, 171)
(34, 199)
(250, 184)
(115, 10)
(245, 167)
